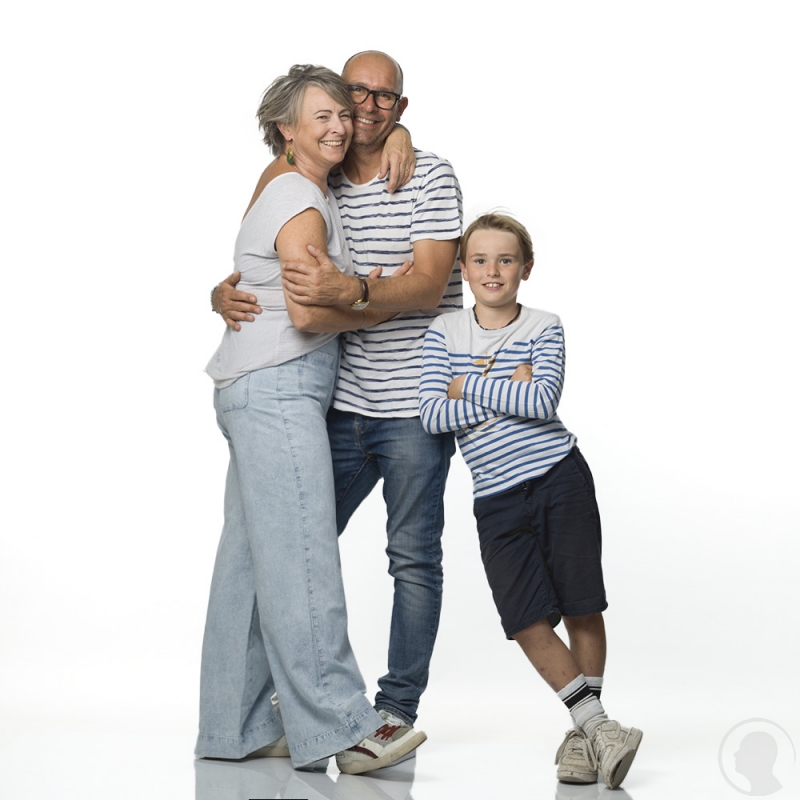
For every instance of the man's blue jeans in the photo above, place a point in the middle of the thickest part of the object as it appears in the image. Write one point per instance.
(414, 466)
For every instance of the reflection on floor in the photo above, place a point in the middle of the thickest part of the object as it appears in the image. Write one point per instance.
(274, 778)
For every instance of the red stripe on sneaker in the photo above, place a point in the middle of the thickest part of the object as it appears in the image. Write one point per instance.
(387, 731)
(356, 749)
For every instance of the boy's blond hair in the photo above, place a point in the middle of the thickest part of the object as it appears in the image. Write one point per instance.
(500, 222)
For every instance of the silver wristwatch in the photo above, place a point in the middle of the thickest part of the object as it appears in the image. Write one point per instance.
(363, 302)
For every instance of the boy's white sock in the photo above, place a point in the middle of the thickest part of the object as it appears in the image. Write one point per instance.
(586, 710)
(596, 685)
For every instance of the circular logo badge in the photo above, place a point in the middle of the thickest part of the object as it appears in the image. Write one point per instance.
(757, 757)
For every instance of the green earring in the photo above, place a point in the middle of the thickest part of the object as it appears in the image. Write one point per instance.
(289, 155)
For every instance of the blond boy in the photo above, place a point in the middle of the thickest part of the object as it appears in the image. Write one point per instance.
(494, 374)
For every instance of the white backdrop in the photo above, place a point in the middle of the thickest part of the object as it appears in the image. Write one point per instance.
(652, 150)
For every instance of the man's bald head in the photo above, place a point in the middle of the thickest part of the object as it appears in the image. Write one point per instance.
(375, 56)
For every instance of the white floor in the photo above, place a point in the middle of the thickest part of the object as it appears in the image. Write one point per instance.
(94, 766)
(101, 764)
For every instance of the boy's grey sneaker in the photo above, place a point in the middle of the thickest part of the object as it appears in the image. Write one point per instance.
(575, 758)
(615, 748)
(386, 746)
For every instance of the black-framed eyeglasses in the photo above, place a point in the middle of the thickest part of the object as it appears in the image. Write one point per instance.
(383, 99)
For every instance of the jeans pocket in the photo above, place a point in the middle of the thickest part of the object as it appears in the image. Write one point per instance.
(323, 357)
(234, 397)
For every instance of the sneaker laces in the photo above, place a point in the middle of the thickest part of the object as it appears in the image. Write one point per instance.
(577, 743)
(583, 747)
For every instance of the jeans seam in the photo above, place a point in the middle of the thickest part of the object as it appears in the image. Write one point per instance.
(438, 529)
(367, 459)
(320, 659)
(349, 486)
(359, 441)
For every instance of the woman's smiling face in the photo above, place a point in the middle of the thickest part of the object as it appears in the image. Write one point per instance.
(323, 129)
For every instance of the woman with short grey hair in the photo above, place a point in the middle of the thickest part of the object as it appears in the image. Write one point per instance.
(276, 619)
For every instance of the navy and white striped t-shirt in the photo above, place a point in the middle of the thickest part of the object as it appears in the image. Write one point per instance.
(380, 366)
(508, 431)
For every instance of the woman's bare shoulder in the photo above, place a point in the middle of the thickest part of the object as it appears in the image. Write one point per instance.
(277, 168)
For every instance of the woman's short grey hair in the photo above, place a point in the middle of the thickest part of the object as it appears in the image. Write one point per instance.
(282, 100)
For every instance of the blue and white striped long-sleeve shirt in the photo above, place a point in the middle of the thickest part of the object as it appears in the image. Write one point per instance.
(508, 431)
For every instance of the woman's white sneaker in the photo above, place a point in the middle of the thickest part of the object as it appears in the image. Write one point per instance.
(277, 749)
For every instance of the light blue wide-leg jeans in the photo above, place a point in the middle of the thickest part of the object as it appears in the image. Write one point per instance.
(276, 616)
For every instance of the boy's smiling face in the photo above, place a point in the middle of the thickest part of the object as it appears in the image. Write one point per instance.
(493, 265)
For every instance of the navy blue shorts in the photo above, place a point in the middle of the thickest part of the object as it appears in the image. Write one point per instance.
(541, 545)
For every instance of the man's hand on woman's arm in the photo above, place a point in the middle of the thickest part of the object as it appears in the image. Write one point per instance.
(322, 284)
(424, 280)
(398, 158)
(232, 305)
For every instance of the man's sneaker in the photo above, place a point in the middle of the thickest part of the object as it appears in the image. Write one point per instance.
(393, 719)
(615, 748)
(386, 746)
(575, 759)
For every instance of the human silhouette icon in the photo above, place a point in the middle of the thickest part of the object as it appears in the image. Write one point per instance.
(755, 759)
